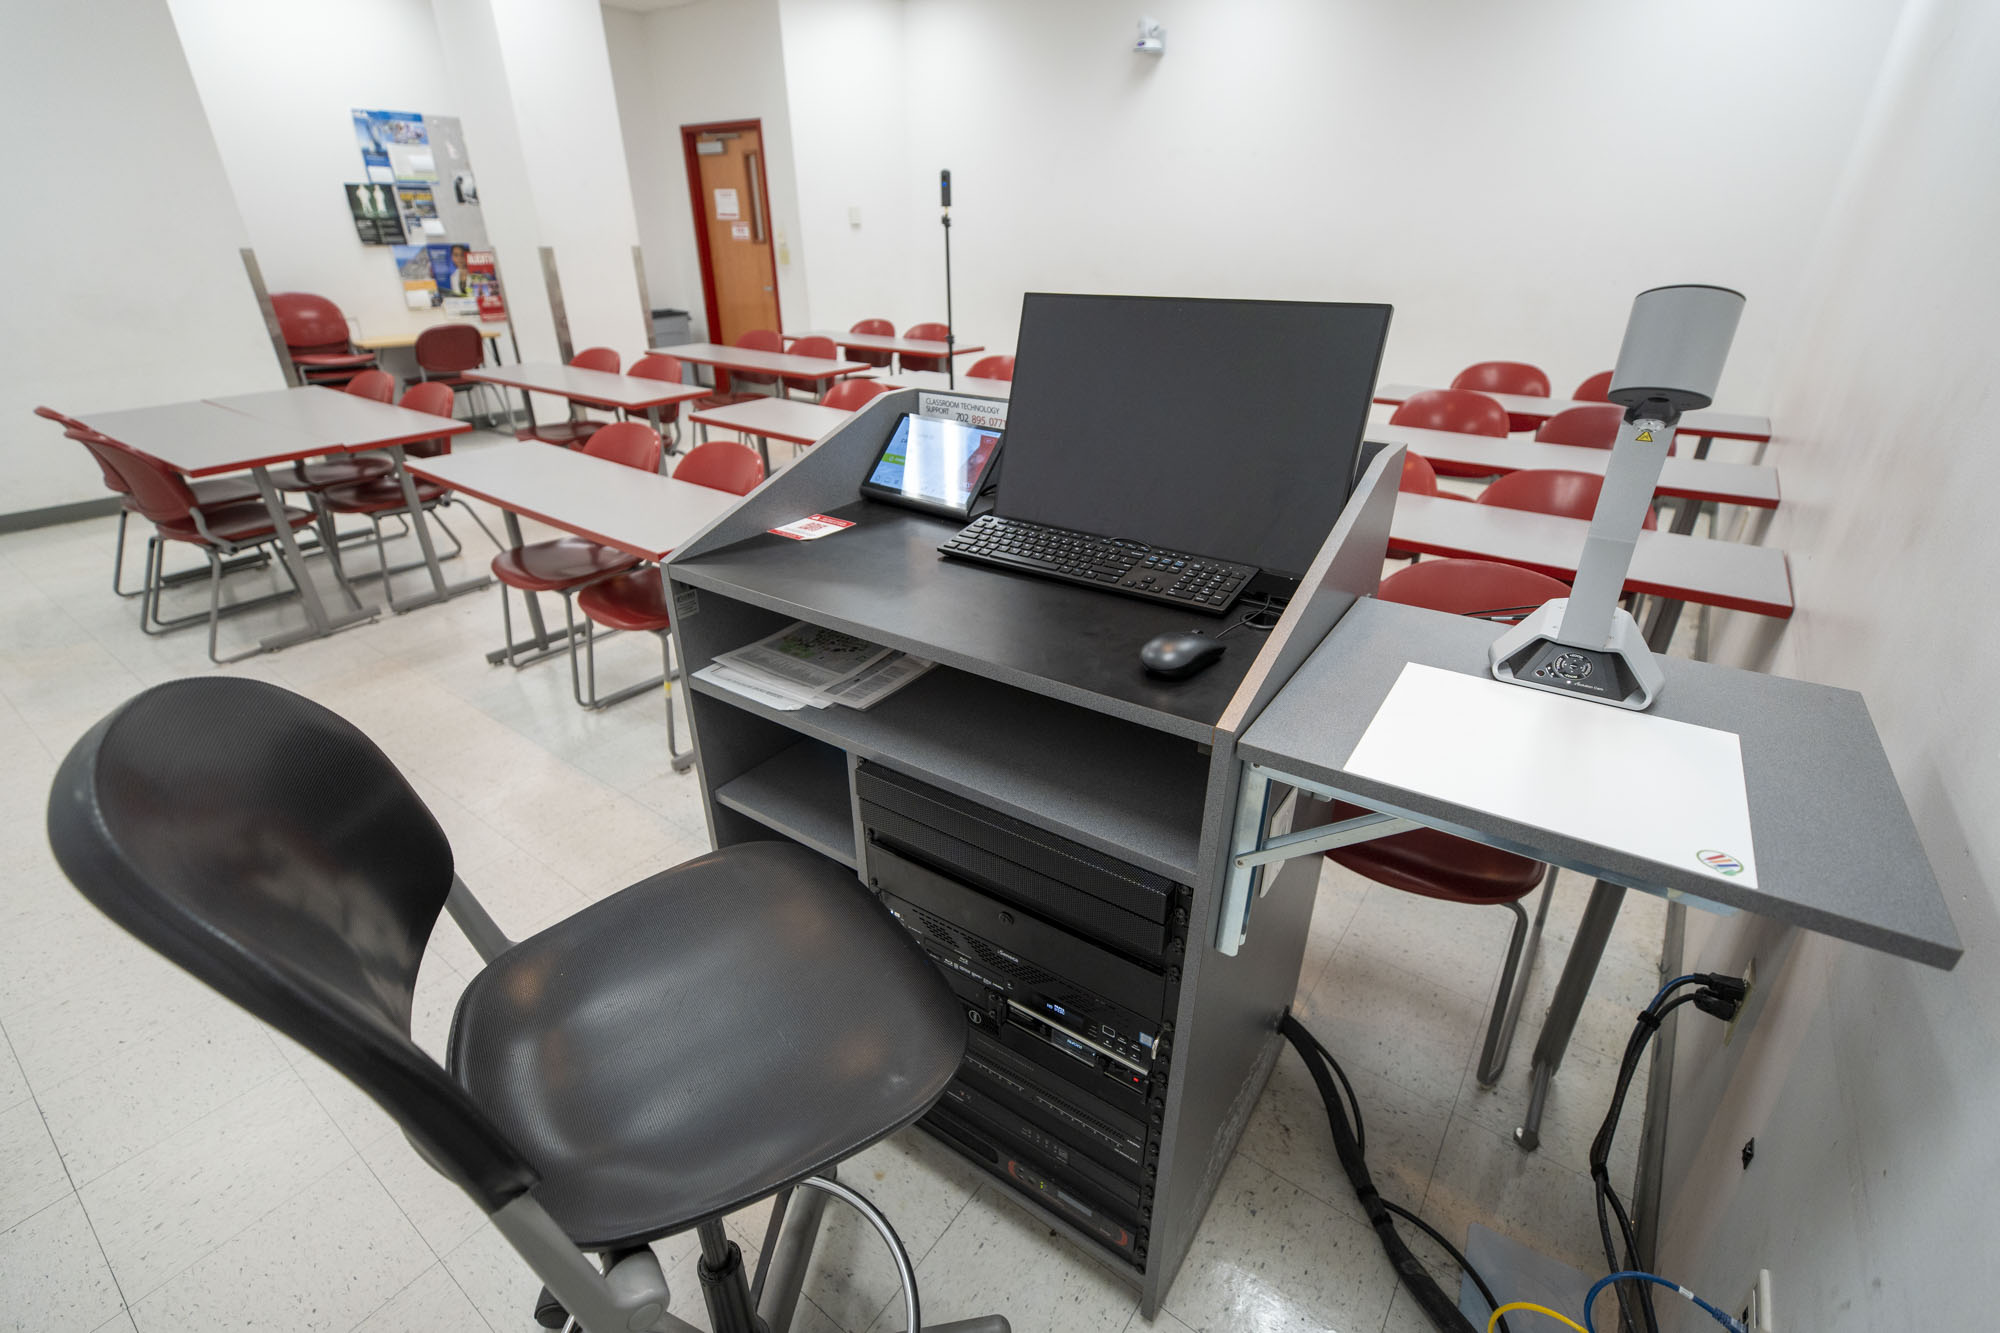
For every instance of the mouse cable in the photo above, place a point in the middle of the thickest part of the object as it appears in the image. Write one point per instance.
(1263, 617)
(1439, 1308)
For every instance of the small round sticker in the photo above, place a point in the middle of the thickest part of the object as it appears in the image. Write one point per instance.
(1722, 863)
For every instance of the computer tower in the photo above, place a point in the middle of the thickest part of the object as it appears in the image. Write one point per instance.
(1068, 964)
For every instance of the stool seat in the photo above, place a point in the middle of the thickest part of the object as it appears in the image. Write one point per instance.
(703, 1039)
(239, 522)
(379, 494)
(552, 566)
(634, 600)
(1432, 864)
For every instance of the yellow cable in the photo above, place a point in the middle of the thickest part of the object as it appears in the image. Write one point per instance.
(1509, 1308)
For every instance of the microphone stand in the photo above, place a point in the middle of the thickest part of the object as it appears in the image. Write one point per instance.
(950, 360)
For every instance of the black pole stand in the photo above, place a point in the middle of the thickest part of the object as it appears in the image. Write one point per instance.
(950, 360)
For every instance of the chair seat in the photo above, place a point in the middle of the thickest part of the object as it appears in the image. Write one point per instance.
(334, 360)
(379, 494)
(337, 472)
(555, 565)
(703, 1039)
(212, 491)
(569, 434)
(1437, 865)
(243, 521)
(635, 600)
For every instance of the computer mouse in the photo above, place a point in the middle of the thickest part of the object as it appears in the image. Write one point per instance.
(1181, 653)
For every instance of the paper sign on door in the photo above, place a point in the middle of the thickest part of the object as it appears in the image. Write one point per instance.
(739, 231)
(725, 206)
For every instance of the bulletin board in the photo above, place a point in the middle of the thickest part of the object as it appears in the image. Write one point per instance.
(419, 198)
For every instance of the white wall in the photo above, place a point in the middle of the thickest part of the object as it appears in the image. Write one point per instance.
(279, 81)
(1871, 1085)
(123, 283)
(1495, 171)
(713, 61)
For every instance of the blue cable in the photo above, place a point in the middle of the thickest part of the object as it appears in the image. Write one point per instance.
(1730, 1322)
(1677, 981)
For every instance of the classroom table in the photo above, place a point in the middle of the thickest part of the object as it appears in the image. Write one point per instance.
(936, 381)
(1706, 424)
(725, 359)
(1835, 849)
(385, 342)
(641, 513)
(1669, 565)
(888, 342)
(595, 388)
(202, 439)
(768, 419)
(348, 423)
(1691, 479)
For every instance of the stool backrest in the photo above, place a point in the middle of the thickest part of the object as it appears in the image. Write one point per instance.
(379, 385)
(632, 443)
(1461, 410)
(448, 349)
(596, 358)
(269, 848)
(724, 464)
(850, 394)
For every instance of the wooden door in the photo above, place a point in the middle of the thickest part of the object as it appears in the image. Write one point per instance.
(732, 213)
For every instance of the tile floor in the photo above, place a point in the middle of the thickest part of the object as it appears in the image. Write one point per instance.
(168, 1164)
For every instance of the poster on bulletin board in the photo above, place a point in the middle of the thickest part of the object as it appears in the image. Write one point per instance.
(413, 263)
(484, 277)
(394, 145)
(373, 207)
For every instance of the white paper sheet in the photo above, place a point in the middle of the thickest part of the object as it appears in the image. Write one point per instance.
(1667, 791)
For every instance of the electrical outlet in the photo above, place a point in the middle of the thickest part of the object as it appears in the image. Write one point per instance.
(1756, 1312)
(1749, 988)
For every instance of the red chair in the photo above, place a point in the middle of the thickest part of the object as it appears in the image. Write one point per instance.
(813, 345)
(636, 600)
(316, 338)
(668, 369)
(1596, 389)
(375, 497)
(347, 469)
(1462, 410)
(925, 333)
(757, 340)
(992, 368)
(1418, 479)
(568, 563)
(1551, 491)
(1506, 377)
(446, 351)
(880, 328)
(851, 395)
(1437, 865)
(575, 431)
(1590, 426)
(162, 496)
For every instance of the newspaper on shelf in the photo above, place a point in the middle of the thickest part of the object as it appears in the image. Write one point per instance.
(806, 666)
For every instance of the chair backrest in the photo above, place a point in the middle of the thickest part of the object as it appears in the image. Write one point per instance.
(1596, 389)
(436, 399)
(596, 358)
(270, 849)
(879, 327)
(850, 394)
(1419, 477)
(761, 340)
(814, 345)
(67, 423)
(447, 349)
(1471, 588)
(992, 368)
(726, 465)
(379, 385)
(929, 332)
(113, 479)
(159, 493)
(1550, 491)
(1503, 377)
(308, 322)
(1461, 410)
(657, 366)
(633, 443)
(1591, 426)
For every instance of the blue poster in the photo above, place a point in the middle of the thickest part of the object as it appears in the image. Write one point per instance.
(450, 271)
(394, 145)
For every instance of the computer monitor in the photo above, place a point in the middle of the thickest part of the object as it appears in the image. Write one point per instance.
(1220, 428)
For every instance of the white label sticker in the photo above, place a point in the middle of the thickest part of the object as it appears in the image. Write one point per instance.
(812, 527)
(988, 412)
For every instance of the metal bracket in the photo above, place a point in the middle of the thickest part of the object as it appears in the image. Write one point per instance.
(1252, 851)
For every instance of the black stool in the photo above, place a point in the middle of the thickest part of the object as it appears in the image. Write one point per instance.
(725, 1031)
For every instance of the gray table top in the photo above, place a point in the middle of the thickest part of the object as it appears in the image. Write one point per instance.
(1667, 564)
(785, 419)
(764, 363)
(1708, 421)
(642, 513)
(200, 439)
(1750, 484)
(1836, 848)
(339, 420)
(633, 392)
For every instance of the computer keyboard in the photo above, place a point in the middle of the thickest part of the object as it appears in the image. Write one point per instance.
(1112, 563)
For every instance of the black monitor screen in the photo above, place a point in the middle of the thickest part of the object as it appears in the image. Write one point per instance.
(1220, 428)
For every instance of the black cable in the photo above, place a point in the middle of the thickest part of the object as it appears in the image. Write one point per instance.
(1465, 1264)
(1263, 617)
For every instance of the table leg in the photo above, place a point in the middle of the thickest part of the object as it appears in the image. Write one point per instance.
(318, 623)
(764, 452)
(414, 511)
(1592, 933)
(653, 416)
